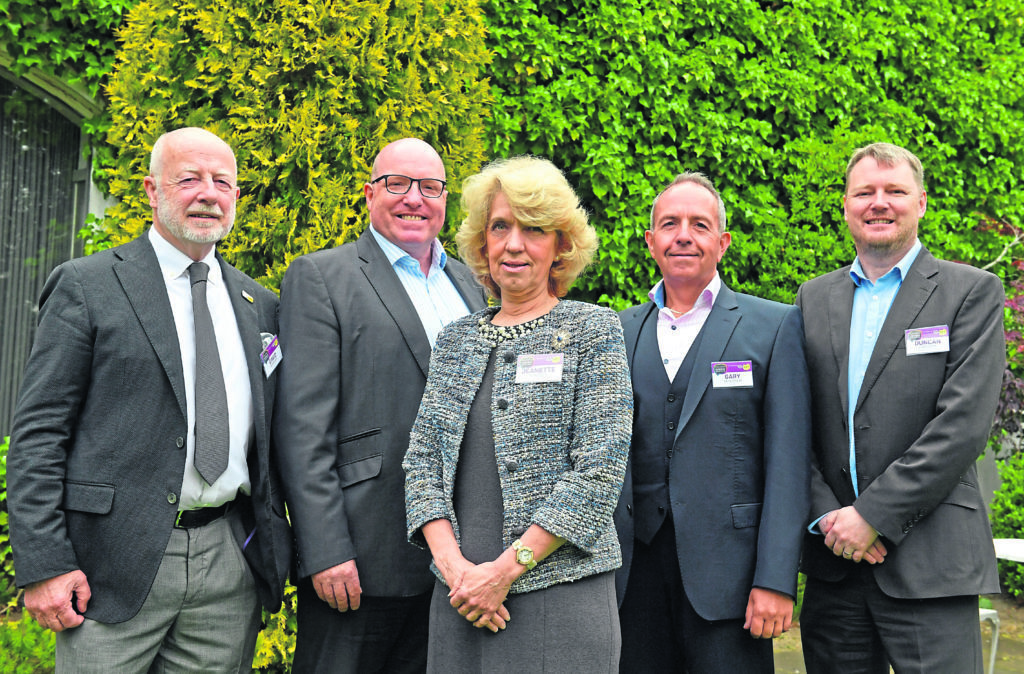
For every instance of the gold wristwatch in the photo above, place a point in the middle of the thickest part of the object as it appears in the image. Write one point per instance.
(524, 555)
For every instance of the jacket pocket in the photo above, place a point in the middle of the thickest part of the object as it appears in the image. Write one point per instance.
(360, 469)
(746, 515)
(964, 495)
(88, 497)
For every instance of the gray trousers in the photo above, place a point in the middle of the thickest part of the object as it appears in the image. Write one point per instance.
(201, 615)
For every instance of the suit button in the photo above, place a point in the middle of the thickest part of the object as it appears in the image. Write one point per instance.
(671, 397)
(180, 442)
(509, 356)
(511, 466)
(671, 425)
(661, 510)
(629, 508)
(502, 404)
(172, 498)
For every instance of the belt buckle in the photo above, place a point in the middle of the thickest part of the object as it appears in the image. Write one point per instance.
(177, 519)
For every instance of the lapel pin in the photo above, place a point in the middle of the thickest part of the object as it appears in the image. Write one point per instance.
(247, 296)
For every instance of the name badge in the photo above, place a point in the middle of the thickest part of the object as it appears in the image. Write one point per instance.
(271, 354)
(927, 340)
(732, 374)
(534, 368)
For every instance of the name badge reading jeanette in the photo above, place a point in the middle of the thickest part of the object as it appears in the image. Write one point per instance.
(927, 340)
(271, 354)
(732, 374)
(534, 368)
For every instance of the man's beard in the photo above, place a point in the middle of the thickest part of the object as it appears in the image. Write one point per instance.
(180, 228)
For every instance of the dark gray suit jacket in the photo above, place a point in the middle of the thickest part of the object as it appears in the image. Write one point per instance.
(355, 359)
(98, 447)
(921, 422)
(738, 473)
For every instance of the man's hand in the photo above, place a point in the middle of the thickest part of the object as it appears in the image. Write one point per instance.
(850, 536)
(339, 586)
(50, 601)
(769, 613)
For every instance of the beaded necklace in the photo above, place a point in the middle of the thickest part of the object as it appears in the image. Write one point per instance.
(496, 334)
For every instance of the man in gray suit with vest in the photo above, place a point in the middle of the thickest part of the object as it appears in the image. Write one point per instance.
(714, 504)
(146, 520)
(360, 320)
(906, 354)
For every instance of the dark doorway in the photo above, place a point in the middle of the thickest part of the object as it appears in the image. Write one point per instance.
(43, 198)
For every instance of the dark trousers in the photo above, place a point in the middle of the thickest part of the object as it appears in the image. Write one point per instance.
(386, 634)
(852, 627)
(661, 632)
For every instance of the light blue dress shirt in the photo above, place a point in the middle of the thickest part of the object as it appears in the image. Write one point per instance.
(871, 303)
(435, 297)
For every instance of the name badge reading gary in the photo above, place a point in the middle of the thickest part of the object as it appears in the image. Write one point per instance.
(271, 354)
(732, 374)
(534, 368)
(927, 340)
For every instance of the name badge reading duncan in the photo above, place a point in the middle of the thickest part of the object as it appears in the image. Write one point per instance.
(732, 374)
(534, 368)
(927, 340)
(271, 354)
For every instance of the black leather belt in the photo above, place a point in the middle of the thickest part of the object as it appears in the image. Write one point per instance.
(200, 517)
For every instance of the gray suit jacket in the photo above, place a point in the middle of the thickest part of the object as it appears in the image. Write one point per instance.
(738, 473)
(921, 421)
(98, 447)
(355, 360)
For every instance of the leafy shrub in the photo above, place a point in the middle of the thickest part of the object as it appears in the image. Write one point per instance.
(769, 99)
(25, 647)
(1007, 516)
(306, 92)
(275, 645)
(8, 591)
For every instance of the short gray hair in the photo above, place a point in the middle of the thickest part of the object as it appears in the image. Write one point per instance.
(700, 179)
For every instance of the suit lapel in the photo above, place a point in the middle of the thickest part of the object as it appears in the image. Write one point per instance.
(840, 312)
(467, 287)
(385, 283)
(247, 318)
(913, 293)
(633, 326)
(718, 329)
(138, 271)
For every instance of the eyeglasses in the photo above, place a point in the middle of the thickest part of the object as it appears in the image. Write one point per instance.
(431, 188)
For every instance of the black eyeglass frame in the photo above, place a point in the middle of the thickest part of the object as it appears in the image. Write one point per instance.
(418, 181)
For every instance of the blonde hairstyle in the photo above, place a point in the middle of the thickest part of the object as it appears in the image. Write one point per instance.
(539, 196)
(887, 154)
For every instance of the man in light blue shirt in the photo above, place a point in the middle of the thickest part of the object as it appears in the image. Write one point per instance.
(906, 356)
(357, 326)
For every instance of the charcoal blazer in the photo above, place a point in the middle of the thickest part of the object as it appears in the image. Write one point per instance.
(738, 470)
(920, 423)
(98, 446)
(353, 372)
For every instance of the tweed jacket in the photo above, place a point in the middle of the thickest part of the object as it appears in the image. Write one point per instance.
(561, 447)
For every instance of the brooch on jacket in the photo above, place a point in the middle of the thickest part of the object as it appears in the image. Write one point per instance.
(560, 340)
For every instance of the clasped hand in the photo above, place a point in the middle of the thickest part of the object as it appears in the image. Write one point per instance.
(850, 536)
(478, 593)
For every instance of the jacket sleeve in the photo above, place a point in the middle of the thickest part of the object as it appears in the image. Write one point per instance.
(581, 504)
(306, 413)
(55, 384)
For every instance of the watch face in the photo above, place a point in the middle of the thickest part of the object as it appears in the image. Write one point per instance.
(524, 557)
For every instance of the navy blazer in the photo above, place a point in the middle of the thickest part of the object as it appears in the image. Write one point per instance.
(97, 450)
(739, 468)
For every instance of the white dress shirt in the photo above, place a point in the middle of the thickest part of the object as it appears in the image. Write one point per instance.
(195, 493)
(677, 334)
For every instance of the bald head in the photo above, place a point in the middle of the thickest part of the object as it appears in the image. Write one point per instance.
(410, 149)
(183, 139)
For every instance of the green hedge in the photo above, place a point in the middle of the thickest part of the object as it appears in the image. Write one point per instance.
(769, 99)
